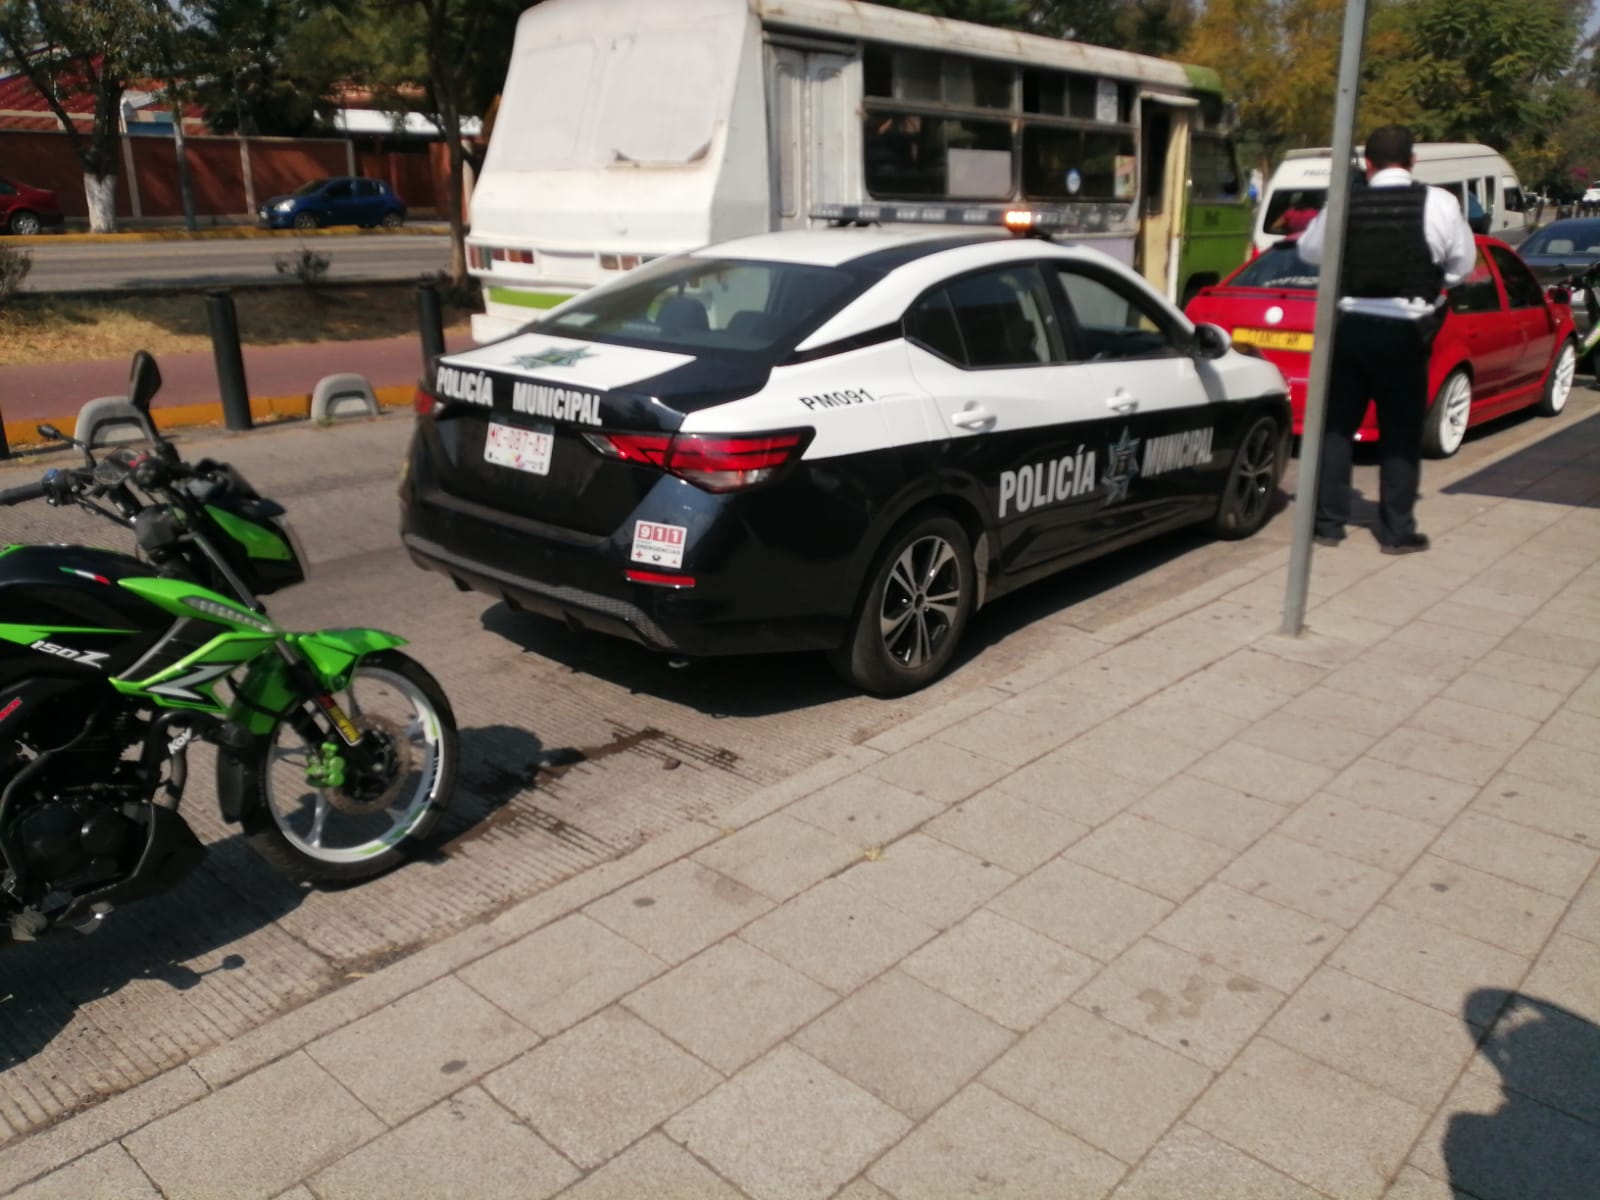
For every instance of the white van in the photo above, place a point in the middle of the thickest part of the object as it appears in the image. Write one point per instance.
(1482, 180)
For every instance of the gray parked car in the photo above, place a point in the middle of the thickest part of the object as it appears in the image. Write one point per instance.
(1561, 251)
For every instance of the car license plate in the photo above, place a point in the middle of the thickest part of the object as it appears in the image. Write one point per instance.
(521, 449)
(1274, 339)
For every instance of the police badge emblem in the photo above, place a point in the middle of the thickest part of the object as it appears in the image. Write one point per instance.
(1122, 465)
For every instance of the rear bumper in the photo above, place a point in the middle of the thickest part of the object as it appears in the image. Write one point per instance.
(583, 584)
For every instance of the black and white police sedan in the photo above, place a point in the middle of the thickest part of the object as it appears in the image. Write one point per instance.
(840, 439)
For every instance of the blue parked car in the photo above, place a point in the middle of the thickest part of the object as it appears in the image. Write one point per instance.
(342, 200)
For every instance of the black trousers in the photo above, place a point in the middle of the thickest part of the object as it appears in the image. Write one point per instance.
(1385, 360)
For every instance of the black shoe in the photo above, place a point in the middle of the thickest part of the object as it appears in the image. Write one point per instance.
(1413, 543)
(1327, 539)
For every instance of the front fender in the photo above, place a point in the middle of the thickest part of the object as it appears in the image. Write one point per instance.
(267, 690)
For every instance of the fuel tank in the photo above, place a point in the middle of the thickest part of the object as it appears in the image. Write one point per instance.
(63, 613)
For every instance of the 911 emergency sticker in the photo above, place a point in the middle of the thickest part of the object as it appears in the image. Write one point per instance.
(659, 545)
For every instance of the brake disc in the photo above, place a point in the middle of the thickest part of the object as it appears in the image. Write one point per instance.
(398, 756)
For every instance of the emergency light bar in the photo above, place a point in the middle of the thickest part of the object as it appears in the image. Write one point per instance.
(1042, 220)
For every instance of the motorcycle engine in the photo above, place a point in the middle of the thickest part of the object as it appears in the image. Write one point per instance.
(80, 819)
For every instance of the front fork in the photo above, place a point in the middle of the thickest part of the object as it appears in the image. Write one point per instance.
(311, 667)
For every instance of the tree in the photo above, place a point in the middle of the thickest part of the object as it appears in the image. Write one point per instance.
(1487, 70)
(71, 50)
(261, 67)
(444, 59)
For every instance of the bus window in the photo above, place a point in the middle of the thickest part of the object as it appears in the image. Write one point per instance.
(1213, 171)
(1060, 94)
(921, 76)
(915, 154)
(1074, 164)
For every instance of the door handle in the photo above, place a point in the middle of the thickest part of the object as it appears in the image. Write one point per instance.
(976, 417)
(1121, 403)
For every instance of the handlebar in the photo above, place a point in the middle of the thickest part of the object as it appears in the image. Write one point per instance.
(36, 490)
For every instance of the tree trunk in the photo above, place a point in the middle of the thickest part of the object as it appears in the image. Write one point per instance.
(101, 192)
(185, 187)
(458, 226)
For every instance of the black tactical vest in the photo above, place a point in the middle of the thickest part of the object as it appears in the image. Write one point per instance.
(1386, 246)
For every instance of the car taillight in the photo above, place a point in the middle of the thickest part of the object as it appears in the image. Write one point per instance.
(714, 461)
(423, 401)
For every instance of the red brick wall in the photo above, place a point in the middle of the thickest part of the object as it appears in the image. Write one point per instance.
(277, 165)
(280, 166)
(47, 160)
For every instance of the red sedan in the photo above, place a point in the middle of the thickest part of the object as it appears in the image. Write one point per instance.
(1505, 344)
(27, 210)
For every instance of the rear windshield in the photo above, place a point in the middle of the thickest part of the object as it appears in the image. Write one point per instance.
(694, 305)
(1565, 237)
(1289, 210)
(1279, 267)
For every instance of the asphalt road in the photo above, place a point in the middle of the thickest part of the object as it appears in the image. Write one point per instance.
(575, 749)
(70, 266)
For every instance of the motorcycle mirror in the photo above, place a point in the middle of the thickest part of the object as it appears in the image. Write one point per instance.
(55, 435)
(144, 381)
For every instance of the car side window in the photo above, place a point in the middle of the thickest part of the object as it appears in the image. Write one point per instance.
(997, 318)
(6, 189)
(1476, 293)
(931, 324)
(366, 187)
(1113, 322)
(339, 190)
(1522, 289)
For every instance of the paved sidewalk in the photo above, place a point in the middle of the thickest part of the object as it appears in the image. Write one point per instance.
(1184, 910)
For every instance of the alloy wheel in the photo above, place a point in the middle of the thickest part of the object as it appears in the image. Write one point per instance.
(921, 601)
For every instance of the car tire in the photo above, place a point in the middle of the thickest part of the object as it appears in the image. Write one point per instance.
(25, 223)
(900, 641)
(1445, 426)
(1252, 481)
(392, 220)
(1558, 383)
(305, 220)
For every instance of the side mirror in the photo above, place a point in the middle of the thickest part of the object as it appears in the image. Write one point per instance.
(144, 381)
(1558, 295)
(1211, 341)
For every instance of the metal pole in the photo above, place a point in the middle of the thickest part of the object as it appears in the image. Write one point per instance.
(1305, 512)
(5, 450)
(224, 323)
(430, 321)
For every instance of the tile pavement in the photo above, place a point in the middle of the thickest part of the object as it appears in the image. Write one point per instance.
(1199, 911)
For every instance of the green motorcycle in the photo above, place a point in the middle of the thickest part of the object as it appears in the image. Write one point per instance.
(336, 753)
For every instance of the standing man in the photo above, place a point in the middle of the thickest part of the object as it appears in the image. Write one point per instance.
(1404, 244)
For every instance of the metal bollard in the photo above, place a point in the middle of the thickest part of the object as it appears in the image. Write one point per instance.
(430, 322)
(223, 320)
(5, 450)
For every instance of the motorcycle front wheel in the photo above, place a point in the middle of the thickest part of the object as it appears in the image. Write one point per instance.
(314, 831)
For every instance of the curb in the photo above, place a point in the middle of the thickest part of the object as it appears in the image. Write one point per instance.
(226, 233)
(24, 435)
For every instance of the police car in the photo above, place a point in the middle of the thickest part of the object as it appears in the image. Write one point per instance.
(840, 439)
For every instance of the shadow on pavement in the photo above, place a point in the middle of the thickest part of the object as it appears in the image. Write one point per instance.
(42, 984)
(1542, 1143)
(764, 685)
(499, 763)
(1544, 471)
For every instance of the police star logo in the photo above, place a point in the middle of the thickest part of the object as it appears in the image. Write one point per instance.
(553, 357)
(1122, 465)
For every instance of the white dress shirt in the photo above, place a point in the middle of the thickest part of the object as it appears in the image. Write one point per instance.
(1449, 241)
